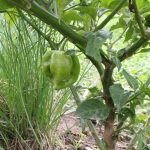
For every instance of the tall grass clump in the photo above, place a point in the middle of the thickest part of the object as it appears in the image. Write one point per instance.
(29, 108)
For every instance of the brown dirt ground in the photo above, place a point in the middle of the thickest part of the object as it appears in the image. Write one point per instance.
(72, 137)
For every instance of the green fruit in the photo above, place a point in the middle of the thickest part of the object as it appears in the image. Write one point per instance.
(63, 70)
(46, 63)
(4, 5)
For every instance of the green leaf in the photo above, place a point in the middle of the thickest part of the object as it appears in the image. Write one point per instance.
(122, 23)
(144, 50)
(93, 109)
(61, 5)
(105, 3)
(126, 112)
(114, 3)
(116, 26)
(4, 5)
(91, 11)
(86, 22)
(146, 6)
(119, 95)
(129, 33)
(11, 18)
(133, 83)
(117, 62)
(94, 43)
(71, 15)
(140, 3)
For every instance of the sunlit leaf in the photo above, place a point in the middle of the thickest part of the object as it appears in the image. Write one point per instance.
(133, 83)
(144, 50)
(91, 11)
(71, 15)
(86, 22)
(105, 3)
(114, 3)
(122, 23)
(129, 33)
(61, 5)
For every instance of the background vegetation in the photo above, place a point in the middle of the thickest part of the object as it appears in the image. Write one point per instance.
(113, 87)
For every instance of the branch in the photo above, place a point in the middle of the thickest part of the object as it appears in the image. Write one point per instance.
(107, 82)
(132, 50)
(98, 66)
(59, 25)
(116, 9)
(138, 18)
(52, 20)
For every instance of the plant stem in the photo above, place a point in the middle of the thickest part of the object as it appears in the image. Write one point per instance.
(97, 65)
(89, 123)
(138, 18)
(52, 20)
(131, 50)
(109, 123)
(116, 9)
(57, 24)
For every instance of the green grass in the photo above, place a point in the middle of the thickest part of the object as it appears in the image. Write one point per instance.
(29, 108)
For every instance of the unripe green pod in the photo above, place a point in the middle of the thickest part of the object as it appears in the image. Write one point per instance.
(63, 70)
(46, 63)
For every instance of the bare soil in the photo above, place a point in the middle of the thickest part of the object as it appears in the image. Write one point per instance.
(73, 138)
